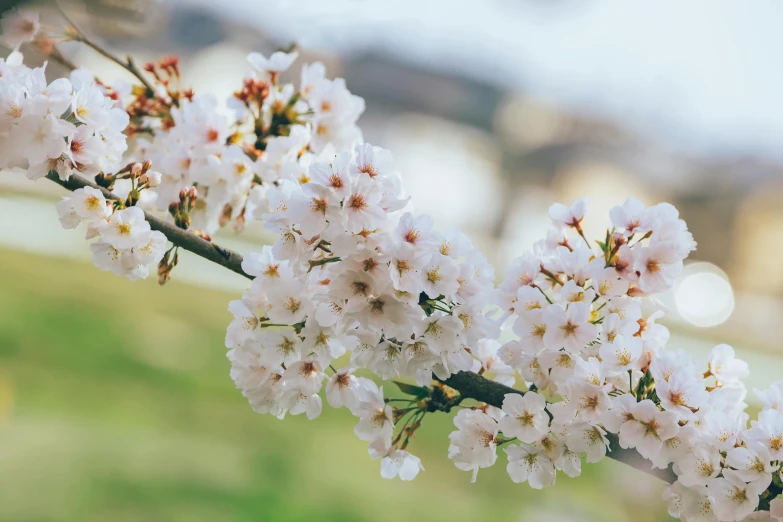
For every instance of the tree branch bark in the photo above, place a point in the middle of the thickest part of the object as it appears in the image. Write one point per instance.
(468, 384)
(179, 237)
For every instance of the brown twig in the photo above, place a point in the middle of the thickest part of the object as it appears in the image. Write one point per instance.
(179, 237)
(57, 55)
(128, 64)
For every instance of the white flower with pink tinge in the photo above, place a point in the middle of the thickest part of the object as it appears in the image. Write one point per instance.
(19, 27)
(568, 328)
(276, 63)
(526, 418)
(473, 444)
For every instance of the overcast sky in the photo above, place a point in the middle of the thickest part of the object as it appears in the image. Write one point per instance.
(701, 74)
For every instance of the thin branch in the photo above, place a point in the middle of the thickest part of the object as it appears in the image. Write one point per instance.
(179, 237)
(128, 64)
(468, 384)
(57, 55)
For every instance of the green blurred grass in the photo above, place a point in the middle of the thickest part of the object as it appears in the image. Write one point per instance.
(115, 404)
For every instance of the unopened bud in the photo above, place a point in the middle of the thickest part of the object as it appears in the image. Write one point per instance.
(154, 178)
(136, 169)
(173, 208)
(164, 271)
(398, 413)
(193, 193)
(44, 44)
(147, 165)
(183, 194)
(170, 64)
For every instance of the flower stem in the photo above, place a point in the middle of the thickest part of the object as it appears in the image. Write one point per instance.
(128, 64)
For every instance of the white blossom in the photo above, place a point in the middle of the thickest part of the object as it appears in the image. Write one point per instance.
(752, 463)
(473, 444)
(19, 27)
(569, 216)
(277, 62)
(125, 228)
(732, 498)
(767, 431)
(525, 417)
(724, 366)
(375, 416)
(701, 466)
(343, 389)
(400, 463)
(588, 438)
(530, 464)
(568, 328)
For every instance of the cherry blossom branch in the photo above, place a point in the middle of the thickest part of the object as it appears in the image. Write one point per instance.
(468, 384)
(179, 237)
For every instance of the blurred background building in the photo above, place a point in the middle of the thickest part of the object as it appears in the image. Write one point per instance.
(493, 111)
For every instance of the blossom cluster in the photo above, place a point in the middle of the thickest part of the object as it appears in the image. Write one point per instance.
(68, 125)
(359, 289)
(126, 245)
(71, 126)
(354, 272)
(81, 125)
(583, 339)
(275, 133)
(576, 310)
